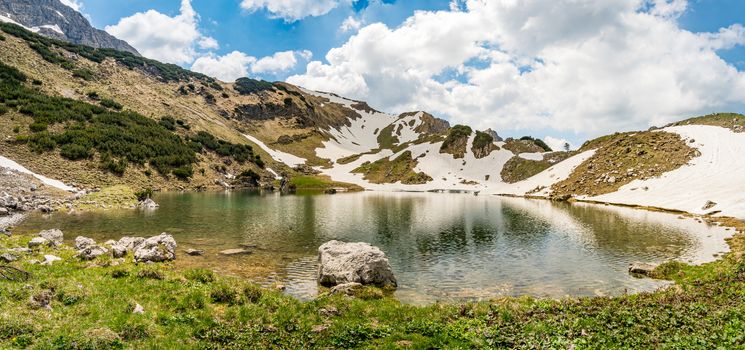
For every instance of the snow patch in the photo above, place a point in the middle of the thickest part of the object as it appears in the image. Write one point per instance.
(289, 159)
(10, 164)
(52, 27)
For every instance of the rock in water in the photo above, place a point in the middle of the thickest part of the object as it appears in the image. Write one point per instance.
(156, 249)
(235, 251)
(148, 204)
(359, 262)
(639, 268)
(55, 236)
(195, 252)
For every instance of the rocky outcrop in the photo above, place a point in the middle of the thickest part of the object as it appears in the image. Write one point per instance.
(54, 236)
(643, 269)
(156, 249)
(342, 263)
(53, 19)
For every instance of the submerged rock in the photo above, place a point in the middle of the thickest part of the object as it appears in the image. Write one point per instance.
(148, 204)
(156, 249)
(54, 236)
(359, 262)
(195, 252)
(235, 251)
(639, 268)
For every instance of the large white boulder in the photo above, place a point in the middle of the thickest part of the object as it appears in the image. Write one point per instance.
(156, 249)
(358, 262)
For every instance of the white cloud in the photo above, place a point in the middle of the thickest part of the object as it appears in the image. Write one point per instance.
(237, 64)
(280, 61)
(76, 5)
(164, 38)
(557, 144)
(350, 24)
(567, 65)
(291, 10)
(226, 68)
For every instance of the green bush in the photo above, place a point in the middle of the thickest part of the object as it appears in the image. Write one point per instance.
(482, 140)
(168, 123)
(108, 103)
(4, 109)
(537, 142)
(75, 151)
(200, 275)
(224, 294)
(247, 86)
(83, 73)
(144, 194)
(93, 95)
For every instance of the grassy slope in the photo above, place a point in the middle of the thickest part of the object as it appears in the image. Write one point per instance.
(517, 169)
(389, 170)
(92, 308)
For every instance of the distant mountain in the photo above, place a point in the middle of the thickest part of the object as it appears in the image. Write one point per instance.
(53, 19)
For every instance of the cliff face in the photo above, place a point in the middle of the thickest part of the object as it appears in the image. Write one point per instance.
(53, 19)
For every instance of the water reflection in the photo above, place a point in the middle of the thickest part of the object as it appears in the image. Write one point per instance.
(441, 246)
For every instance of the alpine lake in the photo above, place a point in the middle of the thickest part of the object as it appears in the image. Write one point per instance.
(442, 246)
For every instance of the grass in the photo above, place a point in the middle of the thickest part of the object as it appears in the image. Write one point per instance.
(313, 182)
(456, 141)
(92, 304)
(517, 169)
(732, 121)
(114, 197)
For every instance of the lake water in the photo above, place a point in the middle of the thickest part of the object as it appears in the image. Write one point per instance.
(441, 246)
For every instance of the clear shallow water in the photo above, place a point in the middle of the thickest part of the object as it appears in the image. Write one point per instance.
(441, 246)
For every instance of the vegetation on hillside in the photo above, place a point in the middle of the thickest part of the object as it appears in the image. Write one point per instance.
(483, 145)
(732, 121)
(456, 141)
(517, 168)
(524, 145)
(623, 157)
(48, 49)
(247, 86)
(92, 306)
(389, 170)
(118, 138)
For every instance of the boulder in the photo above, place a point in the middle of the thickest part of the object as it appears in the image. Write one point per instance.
(54, 236)
(4, 211)
(83, 242)
(37, 242)
(118, 250)
(131, 243)
(235, 251)
(148, 204)
(346, 288)
(708, 205)
(639, 268)
(8, 258)
(45, 209)
(156, 249)
(358, 262)
(91, 252)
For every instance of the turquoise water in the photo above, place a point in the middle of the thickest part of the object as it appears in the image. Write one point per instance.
(441, 246)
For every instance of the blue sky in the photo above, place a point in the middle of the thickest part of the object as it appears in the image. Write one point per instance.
(579, 70)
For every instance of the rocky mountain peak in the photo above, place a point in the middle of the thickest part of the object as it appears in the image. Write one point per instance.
(53, 19)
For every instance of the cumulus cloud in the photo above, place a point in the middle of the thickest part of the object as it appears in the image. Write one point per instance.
(557, 144)
(350, 24)
(226, 68)
(291, 10)
(567, 65)
(237, 64)
(164, 38)
(76, 5)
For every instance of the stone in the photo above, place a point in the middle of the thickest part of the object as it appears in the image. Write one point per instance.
(345, 288)
(118, 250)
(639, 268)
(83, 242)
(37, 242)
(235, 251)
(708, 205)
(148, 204)
(156, 249)
(359, 262)
(91, 252)
(138, 309)
(42, 300)
(4, 211)
(45, 209)
(131, 243)
(49, 259)
(195, 252)
(8, 258)
(54, 236)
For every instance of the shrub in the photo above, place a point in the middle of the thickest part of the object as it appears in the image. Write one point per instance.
(83, 73)
(108, 103)
(247, 86)
(252, 293)
(36, 82)
(150, 273)
(38, 126)
(200, 275)
(144, 194)
(75, 151)
(482, 140)
(93, 95)
(537, 142)
(168, 123)
(223, 293)
(4, 109)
